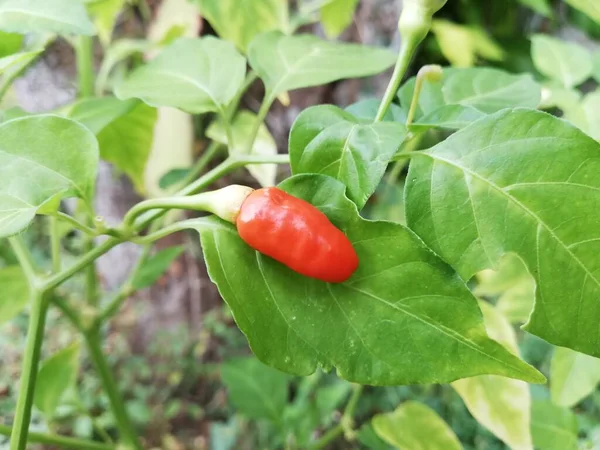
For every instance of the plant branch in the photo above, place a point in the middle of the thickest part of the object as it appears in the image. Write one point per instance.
(29, 369)
(260, 118)
(126, 429)
(76, 224)
(59, 441)
(24, 257)
(211, 151)
(54, 243)
(429, 72)
(84, 52)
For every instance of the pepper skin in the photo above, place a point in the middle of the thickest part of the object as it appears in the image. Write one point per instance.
(298, 235)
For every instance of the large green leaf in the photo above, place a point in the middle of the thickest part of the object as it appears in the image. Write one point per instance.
(286, 63)
(241, 130)
(15, 292)
(195, 75)
(381, 326)
(415, 426)
(57, 374)
(574, 376)
(63, 17)
(239, 21)
(43, 158)
(336, 15)
(525, 182)
(500, 404)
(256, 390)
(330, 141)
(553, 427)
(589, 7)
(567, 62)
(466, 95)
(124, 130)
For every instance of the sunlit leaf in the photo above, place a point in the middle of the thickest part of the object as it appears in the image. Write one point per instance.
(64, 17)
(336, 15)
(574, 376)
(567, 62)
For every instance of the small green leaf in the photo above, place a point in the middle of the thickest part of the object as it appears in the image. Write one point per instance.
(184, 76)
(574, 376)
(585, 115)
(286, 63)
(330, 141)
(336, 15)
(588, 7)
(264, 144)
(155, 266)
(64, 17)
(518, 181)
(415, 426)
(10, 43)
(104, 14)
(383, 326)
(60, 155)
(15, 292)
(567, 62)
(239, 21)
(540, 6)
(97, 113)
(256, 390)
(500, 404)
(172, 177)
(57, 374)
(553, 427)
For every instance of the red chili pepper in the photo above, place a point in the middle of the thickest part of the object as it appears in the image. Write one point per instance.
(296, 234)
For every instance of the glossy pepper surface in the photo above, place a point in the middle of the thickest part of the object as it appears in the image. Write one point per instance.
(295, 233)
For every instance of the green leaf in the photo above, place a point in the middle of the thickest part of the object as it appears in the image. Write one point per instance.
(118, 52)
(286, 63)
(15, 292)
(518, 181)
(330, 141)
(368, 437)
(64, 17)
(367, 110)
(239, 21)
(104, 14)
(466, 95)
(574, 376)
(57, 374)
(184, 76)
(60, 155)
(500, 404)
(512, 284)
(566, 62)
(383, 326)
(337, 15)
(586, 114)
(10, 43)
(461, 45)
(124, 130)
(553, 427)
(415, 426)
(540, 6)
(588, 7)
(173, 177)
(596, 66)
(256, 390)
(241, 130)
(154, 267)
(11, 66)
(556, 95)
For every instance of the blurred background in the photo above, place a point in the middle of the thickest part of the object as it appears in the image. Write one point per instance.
(185, 369)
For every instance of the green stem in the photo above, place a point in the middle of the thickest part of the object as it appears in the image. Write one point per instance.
(212, 150)
(126, 429)
(173, 228)
(76, 224)
(260, 118)
(91, 280)
(432, 72)
(59, 441)
(55, 243)
(327, 438)
(251, 77)
(29, 369)
(25, 259)
(84, 51)
(407, 51)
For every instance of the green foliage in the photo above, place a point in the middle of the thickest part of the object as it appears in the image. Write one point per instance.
(64, 167)
(568, 63)
(535, 172)
(64, 17)
(329, 141)
(239, 21)
(312, 323)
(184, 76)
(414, 426)
(10, 43)
(104, 13)
(574, 376)
(57, 374)
(553, 427)
(336, 15)
(589, 7)
(286, 63)
(154, 267)
(15, 292)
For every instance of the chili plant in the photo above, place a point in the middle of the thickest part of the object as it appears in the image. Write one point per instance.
(508, 179)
